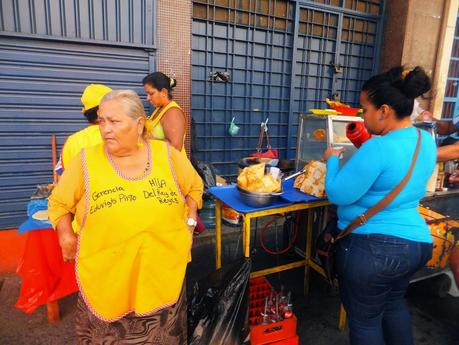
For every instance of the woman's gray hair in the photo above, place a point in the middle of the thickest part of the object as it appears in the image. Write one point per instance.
(130, 101)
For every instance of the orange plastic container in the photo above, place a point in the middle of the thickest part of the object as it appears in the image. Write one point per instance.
(357, 133)
(274, 332)
(291, 341)
(346, 110)
(259, 289)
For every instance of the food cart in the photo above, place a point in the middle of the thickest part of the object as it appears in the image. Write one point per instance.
(315, 133)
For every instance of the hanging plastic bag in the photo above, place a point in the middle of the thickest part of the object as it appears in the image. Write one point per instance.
(230, 216)
(270, 152)
(233, 129)
(45, 275)
(218, 309)
(207, 172)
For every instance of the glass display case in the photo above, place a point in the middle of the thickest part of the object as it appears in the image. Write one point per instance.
(316, 133)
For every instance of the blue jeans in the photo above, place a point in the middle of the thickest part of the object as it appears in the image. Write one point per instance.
(373, 274)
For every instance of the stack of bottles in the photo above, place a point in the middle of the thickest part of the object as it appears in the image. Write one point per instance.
(271, 316)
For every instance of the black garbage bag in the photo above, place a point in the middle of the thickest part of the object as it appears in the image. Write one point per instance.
(207, 173)
(218, 310)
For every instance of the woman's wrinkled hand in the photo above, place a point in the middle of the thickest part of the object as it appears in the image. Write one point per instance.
(330, 151)
(68, 243)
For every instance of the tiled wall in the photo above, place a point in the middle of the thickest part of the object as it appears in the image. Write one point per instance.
(174, 48)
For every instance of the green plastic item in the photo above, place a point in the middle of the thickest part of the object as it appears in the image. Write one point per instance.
(233, 129)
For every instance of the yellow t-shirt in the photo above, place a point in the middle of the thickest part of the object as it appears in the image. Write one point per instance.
(69, 194)
(87, 137)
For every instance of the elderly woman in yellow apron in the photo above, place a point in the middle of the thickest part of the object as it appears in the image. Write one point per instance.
(168, 121)
(135, 204)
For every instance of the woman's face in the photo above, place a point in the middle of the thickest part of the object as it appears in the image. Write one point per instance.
(119, 131)
(372, 116)
(156, 97)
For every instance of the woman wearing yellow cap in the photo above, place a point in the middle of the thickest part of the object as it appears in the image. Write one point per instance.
(136, 201)
(168, 121)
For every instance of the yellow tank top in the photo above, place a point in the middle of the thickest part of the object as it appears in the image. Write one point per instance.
(154, 126)
(134, 244)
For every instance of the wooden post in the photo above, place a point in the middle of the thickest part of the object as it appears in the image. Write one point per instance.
(53, 312)
(54, 157)
(218, 234)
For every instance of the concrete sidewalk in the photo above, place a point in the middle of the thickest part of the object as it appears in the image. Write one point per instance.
(435, 320)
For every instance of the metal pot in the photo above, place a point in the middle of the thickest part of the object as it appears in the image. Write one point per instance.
(256, 199)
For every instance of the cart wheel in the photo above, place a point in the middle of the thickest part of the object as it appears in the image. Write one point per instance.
(442, 285)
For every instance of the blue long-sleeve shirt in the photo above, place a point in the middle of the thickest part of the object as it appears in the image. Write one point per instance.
(372, 172)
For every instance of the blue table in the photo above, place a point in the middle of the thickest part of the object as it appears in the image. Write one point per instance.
(229, 195)
(292, 200)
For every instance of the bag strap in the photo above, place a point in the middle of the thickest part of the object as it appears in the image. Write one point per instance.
(268, 145)
(382, 204)
(263, 133)
(260, 139)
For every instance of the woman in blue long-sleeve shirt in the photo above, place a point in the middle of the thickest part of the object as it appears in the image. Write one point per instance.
(376, 261)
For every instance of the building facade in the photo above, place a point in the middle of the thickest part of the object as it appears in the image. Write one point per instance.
(245, 59)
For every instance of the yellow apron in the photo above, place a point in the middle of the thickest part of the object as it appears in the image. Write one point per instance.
(134, 244)
(153, 123)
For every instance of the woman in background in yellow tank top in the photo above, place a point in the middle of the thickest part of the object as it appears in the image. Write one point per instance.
(135, 203)
(168, 121)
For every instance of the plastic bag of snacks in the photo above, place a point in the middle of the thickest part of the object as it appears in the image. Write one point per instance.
(229, 215)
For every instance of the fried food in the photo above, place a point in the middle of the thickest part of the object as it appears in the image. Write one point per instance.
(339, 139)
(313, 180)
(242, 181)
(255, 173)
(319, 134)
(253, 179)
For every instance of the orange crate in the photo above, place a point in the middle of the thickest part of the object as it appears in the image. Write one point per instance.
(267, 334)
(259, 289)
(278, 333)
(291, 341)
(257, 284)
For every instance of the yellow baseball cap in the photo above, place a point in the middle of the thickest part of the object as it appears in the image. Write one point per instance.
(92, 95)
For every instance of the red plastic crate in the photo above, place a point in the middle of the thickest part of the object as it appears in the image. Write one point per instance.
(259, 289)
(267, 334)
(291, 341)
(260, 283)
(275, 333)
